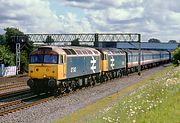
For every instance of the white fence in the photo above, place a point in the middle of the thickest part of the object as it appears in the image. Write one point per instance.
(7, 71)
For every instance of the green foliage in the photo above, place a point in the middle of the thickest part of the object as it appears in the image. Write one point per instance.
(153, 40)
(157, 101)
(11, 39)
(2, 39)
(28, 47)
(75, 42)
(172, 41)
(6, 56)
(176, 56)
(49, 40)
(24, 61)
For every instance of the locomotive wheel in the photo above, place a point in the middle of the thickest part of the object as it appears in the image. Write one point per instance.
(73, 85)
(90, 81)
(61, 88)
(120, 73)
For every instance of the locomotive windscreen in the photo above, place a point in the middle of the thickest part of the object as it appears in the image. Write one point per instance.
(44, 59)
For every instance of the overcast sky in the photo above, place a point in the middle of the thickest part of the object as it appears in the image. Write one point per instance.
(152, 18)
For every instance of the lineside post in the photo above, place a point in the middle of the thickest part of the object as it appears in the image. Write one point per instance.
(18, 46)
(139, 54)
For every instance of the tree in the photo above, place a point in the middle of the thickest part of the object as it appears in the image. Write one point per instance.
(49, 40)
(6, 56)
(2, 39)
(75, 42)
(13, 36)
(24, 61)
(172, 41)
(176, 56)
(153, 40)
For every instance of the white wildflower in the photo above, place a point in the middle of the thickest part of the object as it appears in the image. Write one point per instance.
(138, 96)
(130, 101)
(134, 121)
(104, 118)
(110, 119)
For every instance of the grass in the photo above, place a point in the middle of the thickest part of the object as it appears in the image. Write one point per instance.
(157, 100)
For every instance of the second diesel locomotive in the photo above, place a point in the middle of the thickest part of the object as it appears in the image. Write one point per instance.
(62, 69)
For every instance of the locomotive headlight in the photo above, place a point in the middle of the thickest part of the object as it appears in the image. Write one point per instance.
(44, 75)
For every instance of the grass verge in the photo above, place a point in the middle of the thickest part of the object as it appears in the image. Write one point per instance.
(155, 99)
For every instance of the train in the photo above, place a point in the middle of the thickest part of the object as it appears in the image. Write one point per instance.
(57, 69)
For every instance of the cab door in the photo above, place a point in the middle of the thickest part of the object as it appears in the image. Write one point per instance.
(62, 67)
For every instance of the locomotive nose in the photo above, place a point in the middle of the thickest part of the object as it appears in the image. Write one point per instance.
(30, 83)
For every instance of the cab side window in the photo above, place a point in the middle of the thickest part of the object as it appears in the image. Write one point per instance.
(61, 59)
(104, 56)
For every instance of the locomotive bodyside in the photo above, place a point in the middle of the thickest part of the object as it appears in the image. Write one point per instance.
(57, 68)
(83, 62)
(113, 63)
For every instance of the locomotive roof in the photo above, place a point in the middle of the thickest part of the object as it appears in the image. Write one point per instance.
(146, 51)
(111, 51)
(71, 50)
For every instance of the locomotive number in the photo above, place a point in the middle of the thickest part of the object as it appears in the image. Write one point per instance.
(73, 69)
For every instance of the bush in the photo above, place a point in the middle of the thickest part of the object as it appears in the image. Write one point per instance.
(176, 56)
(6, 56)
(24, 61)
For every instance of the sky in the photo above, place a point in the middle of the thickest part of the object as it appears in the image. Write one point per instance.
(151, 18)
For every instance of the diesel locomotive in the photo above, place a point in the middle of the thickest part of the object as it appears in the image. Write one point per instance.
(57, 69)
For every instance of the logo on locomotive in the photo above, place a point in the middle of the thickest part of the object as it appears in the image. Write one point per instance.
(112, 62)
(93, 62)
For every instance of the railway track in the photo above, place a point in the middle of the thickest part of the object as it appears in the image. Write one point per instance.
(10, 96)
(12, 86)
(10, 107)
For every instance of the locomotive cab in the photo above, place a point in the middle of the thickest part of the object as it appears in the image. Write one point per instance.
(46, 66)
